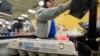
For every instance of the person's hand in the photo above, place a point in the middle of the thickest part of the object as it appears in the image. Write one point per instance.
(38, 39)
(98, 17)
(98, 39)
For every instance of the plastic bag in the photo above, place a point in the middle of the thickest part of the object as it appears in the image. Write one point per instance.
(61, 35)
(74, 32)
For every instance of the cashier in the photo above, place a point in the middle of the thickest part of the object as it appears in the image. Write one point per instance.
(45, 18)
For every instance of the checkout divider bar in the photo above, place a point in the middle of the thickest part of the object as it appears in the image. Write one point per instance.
(27, 36)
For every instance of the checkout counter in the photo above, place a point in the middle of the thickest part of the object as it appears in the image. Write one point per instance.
(42, 47)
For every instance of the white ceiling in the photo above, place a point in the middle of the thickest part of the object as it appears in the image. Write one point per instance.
(21, 6)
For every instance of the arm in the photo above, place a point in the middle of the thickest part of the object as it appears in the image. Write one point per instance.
(50, 13)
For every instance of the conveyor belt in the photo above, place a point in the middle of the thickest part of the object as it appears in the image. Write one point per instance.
(27, 36)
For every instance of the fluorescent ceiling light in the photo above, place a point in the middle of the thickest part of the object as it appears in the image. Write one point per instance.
(24, 15)
(1, 13)
(0, 22)
(31, 11)
(20, 18)
(41, 3)
(0, 1)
